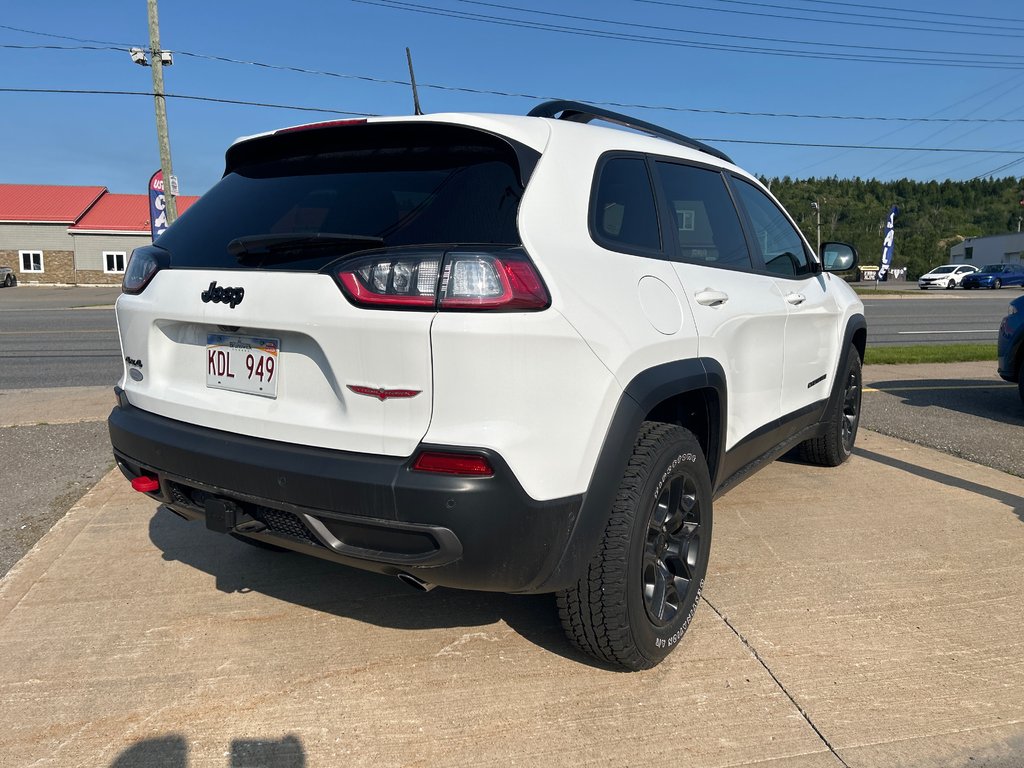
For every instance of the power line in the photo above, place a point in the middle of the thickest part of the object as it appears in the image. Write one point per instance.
(944, 61)
(369, 114)
(64, 37)
(758, 38)
(534, 96)
(889, 18)
(187, 97)
(889, 9)
(957, 30)
(859, 146)
(1003, 167)
(16, 47)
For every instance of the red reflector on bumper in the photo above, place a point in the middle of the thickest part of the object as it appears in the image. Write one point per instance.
(453, 464)
(146, 484)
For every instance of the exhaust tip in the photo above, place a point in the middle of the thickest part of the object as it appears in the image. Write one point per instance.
(415, 582)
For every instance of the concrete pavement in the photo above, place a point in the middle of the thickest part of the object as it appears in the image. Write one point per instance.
(868, 615)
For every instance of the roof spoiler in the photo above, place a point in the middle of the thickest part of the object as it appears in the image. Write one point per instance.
(577, 112)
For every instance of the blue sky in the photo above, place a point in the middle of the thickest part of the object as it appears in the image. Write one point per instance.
(110, 140)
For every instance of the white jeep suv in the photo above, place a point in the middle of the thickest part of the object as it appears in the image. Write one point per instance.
(489, 352)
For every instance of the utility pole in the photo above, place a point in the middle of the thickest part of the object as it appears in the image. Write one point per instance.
(157, 62)
(817, 217)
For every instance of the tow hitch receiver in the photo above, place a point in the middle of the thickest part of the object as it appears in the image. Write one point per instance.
(222, 515)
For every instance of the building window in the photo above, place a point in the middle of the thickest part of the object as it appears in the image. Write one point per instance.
(31, 261)
(113, 261)
(968, 252)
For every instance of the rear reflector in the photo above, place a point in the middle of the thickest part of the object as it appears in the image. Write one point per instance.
(146, 484)
(453, 464)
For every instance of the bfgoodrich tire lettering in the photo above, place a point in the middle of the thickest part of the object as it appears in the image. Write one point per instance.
(639, 593)
(836, 445)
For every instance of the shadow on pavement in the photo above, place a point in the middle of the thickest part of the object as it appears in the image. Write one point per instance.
(1015, 503)
(351, 593)
(996, 400)
(171, 751)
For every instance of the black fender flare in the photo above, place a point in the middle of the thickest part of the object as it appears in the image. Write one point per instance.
(855, 324)
(643, 393)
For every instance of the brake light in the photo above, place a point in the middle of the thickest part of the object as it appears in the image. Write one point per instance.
(315, 126)
(142, 267)
(458, 280)
(453, 464)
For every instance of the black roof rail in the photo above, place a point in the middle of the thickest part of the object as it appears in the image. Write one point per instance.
(578, 112)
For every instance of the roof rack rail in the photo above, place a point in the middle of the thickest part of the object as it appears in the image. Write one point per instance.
(578, 112)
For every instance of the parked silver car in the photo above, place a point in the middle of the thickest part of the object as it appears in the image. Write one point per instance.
(7, 277)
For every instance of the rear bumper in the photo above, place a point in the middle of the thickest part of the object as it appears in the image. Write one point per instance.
(371, 512)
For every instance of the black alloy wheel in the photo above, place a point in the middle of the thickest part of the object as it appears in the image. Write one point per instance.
(672, 551)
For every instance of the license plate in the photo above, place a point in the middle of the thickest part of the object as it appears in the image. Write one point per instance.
(243, 364)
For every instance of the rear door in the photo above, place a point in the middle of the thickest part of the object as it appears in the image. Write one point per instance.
(246, 329)
(740, 315)
(811, 335)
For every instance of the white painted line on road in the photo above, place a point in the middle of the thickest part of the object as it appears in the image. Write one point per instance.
(930, 389)
(913, 333)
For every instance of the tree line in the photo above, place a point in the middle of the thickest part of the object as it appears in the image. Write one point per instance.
(933, 215)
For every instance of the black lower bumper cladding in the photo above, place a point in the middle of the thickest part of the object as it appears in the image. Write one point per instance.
(371, 512)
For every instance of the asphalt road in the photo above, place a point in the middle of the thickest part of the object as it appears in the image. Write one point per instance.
(963, 409)
(58, 337)
(936, 317)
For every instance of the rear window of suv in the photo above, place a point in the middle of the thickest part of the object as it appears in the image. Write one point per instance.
(382, 185)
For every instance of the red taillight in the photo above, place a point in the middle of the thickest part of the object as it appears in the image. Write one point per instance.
(458, 280)
(453, 464)
(146, 484)
(492, 283)
(315, 126)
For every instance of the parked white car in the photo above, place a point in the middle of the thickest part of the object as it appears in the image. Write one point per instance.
(946, 276)
(7, 277)
(492, 352)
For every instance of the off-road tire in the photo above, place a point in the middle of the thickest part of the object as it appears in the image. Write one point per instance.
(843, 418)
(638, 594)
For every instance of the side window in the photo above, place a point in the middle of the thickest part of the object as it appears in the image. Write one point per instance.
(707, 224)
(781, 245)
(624, 215)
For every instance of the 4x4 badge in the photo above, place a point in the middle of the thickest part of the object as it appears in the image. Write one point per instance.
(216, 294)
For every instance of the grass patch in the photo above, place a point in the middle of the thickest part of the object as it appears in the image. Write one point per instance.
(862, 290)
(930, 353)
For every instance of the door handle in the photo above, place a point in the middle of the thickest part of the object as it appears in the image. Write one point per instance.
(796, 299)
(710, 298)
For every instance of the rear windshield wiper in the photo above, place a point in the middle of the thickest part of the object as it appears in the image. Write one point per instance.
(254, 245)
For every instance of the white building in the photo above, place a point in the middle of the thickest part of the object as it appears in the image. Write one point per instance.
(994, 249)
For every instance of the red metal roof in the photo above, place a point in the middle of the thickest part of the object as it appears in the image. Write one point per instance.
(123, 213)
(42, 203)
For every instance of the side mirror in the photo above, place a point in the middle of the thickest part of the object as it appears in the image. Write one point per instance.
(838, 257)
